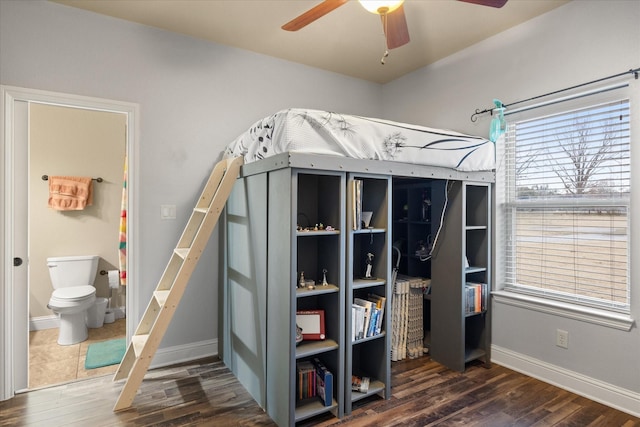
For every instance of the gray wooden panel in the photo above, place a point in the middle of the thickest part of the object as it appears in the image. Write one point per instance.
(281, 298)
(345, 164)
(447, 306)
(244, 293)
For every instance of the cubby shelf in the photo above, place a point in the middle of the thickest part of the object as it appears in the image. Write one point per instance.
(312, 348)
(368, 356)
(319, 199)
(463, 255)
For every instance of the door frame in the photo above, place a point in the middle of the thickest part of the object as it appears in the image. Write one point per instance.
(10, 333)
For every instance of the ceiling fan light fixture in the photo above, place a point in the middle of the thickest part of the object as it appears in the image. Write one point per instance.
(381, 6)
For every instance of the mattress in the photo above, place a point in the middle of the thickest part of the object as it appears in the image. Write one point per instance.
(323, 132)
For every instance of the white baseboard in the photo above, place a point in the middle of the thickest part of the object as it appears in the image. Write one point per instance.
(44, 322)
(184, 353)
(591, 388)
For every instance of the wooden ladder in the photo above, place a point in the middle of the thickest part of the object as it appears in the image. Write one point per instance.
(153, 325)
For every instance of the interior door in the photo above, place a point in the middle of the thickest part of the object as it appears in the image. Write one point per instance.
(20, 250)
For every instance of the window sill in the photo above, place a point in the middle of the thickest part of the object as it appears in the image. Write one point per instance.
(599, 317)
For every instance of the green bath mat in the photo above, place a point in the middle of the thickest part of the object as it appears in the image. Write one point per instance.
(105, 353)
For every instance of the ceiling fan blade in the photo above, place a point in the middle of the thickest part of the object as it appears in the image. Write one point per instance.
(492, 3)
(396, 29)
(312, 14)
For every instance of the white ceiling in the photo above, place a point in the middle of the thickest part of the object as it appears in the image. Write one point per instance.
(348, 40)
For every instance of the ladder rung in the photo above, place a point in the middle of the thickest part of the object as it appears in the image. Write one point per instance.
(182, 252)
(201, 210)
(138, 342)
(161, 297)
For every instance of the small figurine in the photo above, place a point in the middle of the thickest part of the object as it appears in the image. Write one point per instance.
(369, 271)
(324, 277)
(302, 283)
(426, 207)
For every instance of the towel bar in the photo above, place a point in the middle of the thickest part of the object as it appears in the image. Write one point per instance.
(46, 178)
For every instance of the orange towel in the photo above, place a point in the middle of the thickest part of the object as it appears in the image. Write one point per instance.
(70, 193)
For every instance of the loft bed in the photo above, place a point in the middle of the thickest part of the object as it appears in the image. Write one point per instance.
(324, 140)
(303, 164)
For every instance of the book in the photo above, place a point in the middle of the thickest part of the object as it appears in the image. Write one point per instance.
(485, 296)
(371, 331)
(469, 295)
(306, 384)
(368, 309)
(380, 303)
(358, 323)
(360, 384)
(356, 194)
(324, 382)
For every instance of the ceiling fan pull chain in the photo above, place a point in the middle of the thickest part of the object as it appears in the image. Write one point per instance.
(386, 45)
(386, 53)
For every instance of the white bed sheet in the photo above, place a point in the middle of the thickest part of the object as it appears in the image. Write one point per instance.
(323, 132)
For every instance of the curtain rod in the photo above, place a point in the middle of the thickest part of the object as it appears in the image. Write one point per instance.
(478, 112)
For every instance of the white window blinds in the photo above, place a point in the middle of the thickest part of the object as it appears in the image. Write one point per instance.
(566, 205)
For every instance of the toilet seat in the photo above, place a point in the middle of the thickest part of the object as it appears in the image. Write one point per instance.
(71, 296)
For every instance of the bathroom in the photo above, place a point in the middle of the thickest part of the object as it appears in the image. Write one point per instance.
(75, 142)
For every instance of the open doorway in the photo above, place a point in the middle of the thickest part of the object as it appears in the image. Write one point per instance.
(40, 130)
(69, 142)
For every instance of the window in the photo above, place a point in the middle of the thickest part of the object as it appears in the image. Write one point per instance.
(565, 206)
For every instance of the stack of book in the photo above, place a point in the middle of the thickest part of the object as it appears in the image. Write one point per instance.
(367, 316)
(306, 380)
(476, 297)
(314, 381)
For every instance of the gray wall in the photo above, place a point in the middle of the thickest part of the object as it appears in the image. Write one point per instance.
(194, 97)
(578, 42)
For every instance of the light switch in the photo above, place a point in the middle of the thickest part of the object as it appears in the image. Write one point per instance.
(167, 211)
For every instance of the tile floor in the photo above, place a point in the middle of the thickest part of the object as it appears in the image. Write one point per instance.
(50, 363)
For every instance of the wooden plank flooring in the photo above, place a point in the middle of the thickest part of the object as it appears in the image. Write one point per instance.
(424, 393)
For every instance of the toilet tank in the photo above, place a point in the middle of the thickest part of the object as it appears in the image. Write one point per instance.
(72, 270)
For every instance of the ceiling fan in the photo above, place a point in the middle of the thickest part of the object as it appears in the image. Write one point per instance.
(391, 12)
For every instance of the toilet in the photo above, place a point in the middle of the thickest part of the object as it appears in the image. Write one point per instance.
(72, 278)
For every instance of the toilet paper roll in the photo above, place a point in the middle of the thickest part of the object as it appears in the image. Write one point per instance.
(114, 278)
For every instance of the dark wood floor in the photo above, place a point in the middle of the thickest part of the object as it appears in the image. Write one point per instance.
(424, 393)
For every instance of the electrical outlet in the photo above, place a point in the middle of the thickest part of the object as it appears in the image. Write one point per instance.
(562, 338)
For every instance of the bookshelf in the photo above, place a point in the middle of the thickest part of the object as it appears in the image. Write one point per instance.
(462, 256)
(319, 253)
(269, 238)
(368, 356)
(300, 200)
